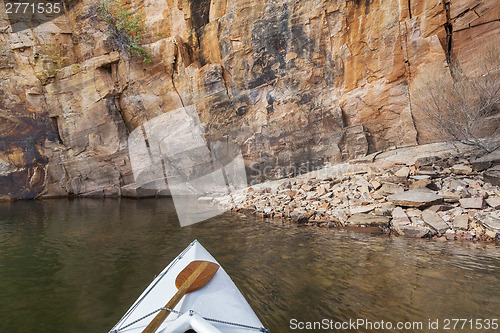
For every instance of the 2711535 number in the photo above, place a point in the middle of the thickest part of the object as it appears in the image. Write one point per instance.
(470, 324)
(32, 8)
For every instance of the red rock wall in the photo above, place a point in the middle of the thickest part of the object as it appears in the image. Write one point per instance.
(290, 81)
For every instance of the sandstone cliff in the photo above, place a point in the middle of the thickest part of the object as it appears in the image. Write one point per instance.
(289, 81)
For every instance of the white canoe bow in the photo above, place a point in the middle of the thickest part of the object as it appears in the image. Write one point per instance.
(217, 307)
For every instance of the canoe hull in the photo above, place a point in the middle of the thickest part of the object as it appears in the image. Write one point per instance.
(219, 300)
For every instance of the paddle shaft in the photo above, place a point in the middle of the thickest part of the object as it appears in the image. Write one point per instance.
(160, 317)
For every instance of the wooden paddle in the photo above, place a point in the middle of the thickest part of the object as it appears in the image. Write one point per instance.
(195, 276)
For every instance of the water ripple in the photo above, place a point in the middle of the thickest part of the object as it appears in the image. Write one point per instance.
(77, 265)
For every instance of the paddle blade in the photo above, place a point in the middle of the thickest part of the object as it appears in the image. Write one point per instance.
(202, 279)
(196, 275)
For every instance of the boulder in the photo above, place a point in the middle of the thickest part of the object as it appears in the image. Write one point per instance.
(441, 208)
(492, 176)
(375, 184)
(399, 217)
(422, 183)
(368, 220)
(461, 222)
(435, 221)
(390, 188)
(414, 231)
(385, 209)
(403, 172)
(354, 142)
(414, 212)
(429, 173)
(461, 169)
(416, 198)
(426, 161)
(134, 191)
(299, 216)
(450, 197)
(489, 221)
(487, 161)
(490, 234)
(450, 235)
(362, 209)
(456, 184)
(493, 202)
(420, 177)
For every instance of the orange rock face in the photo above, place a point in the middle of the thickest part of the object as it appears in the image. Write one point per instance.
(291, 82)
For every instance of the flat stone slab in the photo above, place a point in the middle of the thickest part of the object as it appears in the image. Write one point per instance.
(388, 189)
(416, 198)
(489, 222)
(487, 161)
(135, 191)
(441, 208)
(368, 220)
(461, 169)
(403, 172)
(461, 222)
(450, 235)
(450, 197)
(399, 217)
(493, 202)
(455, 185)
(472, 203)
(362, 209)
(426, 161)
(433, 220)
(490, 233)
(492, 176)
(420, 177)
(422, 183)
(414, 231)
(299, 216)
(430, 173)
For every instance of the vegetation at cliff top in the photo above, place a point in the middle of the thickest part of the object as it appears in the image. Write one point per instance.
(126, 28)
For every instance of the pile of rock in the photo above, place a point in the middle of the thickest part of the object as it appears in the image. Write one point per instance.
(448, 198)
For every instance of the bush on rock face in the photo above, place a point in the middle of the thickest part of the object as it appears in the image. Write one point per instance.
(464, 108)
(125, 28)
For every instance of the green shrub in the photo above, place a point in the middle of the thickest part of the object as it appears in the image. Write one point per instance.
(126, 28)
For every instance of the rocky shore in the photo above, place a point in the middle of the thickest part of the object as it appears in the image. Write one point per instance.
(446, 196)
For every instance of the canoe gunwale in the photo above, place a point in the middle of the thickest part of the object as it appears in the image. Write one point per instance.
(156, 280)
(217, 294)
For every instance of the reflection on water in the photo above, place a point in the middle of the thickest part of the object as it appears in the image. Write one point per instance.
(77, 266)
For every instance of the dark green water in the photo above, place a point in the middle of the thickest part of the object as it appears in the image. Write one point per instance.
(77, 266)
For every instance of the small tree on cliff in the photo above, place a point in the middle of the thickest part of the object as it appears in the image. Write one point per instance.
(463, 108)
(125, 28)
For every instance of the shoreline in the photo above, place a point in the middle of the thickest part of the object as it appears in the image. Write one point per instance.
(433, 194)
(438, 190)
